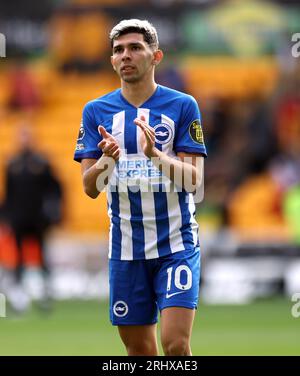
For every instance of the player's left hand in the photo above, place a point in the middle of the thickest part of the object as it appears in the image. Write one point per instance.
(147, 139)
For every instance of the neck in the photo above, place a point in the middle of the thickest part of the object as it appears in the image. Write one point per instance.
(137, 93)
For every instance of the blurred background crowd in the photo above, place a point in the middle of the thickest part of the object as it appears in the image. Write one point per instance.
(235, 57)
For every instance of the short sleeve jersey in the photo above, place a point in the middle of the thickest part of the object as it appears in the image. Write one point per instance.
(150, 217)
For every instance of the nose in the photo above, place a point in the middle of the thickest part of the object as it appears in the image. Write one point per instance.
(126, 55)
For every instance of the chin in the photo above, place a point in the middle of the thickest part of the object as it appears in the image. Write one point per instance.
(131, 80)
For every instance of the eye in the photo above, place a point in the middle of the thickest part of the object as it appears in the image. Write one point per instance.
(136, 48)
(117, 50)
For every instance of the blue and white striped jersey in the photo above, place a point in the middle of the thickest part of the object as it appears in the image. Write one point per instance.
(150, 218)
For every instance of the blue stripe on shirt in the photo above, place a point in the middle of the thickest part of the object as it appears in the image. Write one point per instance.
(186, 230)
(116, 226)
(130, 141)
(162, 222)
(138, 235)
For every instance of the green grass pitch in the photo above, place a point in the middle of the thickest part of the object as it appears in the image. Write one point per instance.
(264, 327)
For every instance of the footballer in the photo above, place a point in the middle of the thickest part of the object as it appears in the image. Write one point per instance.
(143, 144)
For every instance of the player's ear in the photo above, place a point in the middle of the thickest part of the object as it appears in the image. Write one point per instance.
(112, 63)
(157, 57)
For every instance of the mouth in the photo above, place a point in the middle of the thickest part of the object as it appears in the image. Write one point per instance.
(127, 68)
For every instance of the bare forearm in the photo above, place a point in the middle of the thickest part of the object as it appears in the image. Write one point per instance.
(97, 176)
(183, 173)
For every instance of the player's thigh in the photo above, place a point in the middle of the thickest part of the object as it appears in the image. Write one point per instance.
(138, 336)
(176, 323)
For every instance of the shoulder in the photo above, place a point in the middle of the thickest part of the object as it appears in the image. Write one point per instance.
(177, 95)
(102, 102)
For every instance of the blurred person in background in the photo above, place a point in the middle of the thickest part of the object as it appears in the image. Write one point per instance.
(286, 165)
(24, 94)
(154, 256)
(32, 204)
(169, 75)
(267, 198)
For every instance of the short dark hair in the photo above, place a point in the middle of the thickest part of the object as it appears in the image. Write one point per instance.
(135, 26)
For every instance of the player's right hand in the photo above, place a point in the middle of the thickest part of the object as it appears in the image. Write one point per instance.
(109, 144)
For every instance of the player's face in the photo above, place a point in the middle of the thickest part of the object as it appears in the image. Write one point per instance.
(132, 57)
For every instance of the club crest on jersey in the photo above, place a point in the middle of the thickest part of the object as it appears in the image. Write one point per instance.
(81, 133)
(163, 133)
(196, 133)
(120, 308)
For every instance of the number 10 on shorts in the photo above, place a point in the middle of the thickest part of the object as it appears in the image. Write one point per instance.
(181, 273)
